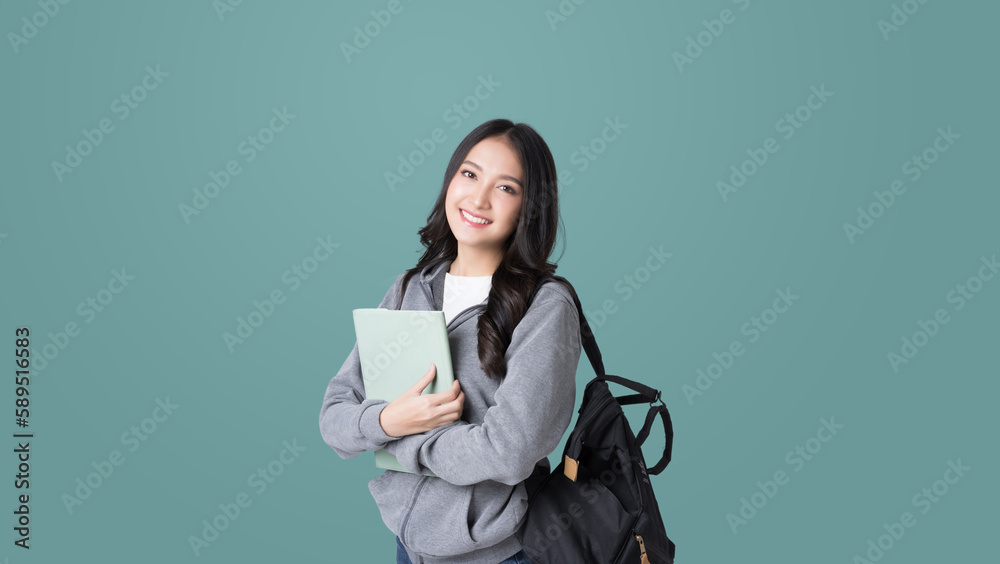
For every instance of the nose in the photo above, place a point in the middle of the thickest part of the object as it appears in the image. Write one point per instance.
(481, 195)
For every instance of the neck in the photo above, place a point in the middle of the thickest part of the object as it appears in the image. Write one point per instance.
(474, 264)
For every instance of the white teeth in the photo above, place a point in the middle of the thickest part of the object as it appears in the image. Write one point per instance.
(474, 219)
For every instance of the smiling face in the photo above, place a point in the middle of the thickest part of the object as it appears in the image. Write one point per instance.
(484, 198)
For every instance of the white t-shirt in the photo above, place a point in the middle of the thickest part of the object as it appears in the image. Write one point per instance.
(461, 292)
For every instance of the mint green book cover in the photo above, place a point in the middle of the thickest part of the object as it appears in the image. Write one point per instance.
(396, 348)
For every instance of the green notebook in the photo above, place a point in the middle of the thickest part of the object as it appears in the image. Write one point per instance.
(396, 348)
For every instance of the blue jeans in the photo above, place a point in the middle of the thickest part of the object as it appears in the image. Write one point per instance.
(403, 558)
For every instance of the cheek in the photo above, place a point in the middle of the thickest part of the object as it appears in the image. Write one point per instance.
(515, 214)
(450, 198)
(454, 194)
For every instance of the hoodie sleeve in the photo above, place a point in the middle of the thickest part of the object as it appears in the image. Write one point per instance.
(533, 409)
(348, 421)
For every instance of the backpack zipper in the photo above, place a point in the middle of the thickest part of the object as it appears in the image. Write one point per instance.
(596, 410)
(593, 413)
(653, 551)
(643, 559)
(571, 471)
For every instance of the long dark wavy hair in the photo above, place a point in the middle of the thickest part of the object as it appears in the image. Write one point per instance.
(525, 252)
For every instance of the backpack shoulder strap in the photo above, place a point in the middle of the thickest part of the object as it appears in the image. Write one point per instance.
(645, 393)
(586, 335)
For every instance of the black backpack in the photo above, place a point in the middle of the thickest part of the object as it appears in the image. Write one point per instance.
(598, 506)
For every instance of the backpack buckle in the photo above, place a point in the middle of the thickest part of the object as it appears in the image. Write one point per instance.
(657, 399)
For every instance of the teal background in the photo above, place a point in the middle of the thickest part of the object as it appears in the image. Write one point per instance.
(655, 185)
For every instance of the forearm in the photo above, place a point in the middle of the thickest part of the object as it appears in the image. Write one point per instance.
(348, 421)
(464, 454)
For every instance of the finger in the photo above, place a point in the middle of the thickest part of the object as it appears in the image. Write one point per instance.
(424, 380)
(454, 390)
(446, 396)
(458, 404)
(449, 414)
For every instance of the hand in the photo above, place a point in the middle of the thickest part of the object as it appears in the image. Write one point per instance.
(414, 412)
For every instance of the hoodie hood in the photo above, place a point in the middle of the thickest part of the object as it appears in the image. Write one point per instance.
(432, 282)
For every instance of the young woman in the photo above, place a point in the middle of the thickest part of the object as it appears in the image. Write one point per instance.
(514, 349)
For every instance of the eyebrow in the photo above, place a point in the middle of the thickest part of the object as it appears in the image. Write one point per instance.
(506, 177)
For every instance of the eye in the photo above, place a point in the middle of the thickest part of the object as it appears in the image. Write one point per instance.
(464, 172)
(510, 189)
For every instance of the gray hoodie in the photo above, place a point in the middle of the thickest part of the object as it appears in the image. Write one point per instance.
(470, 511)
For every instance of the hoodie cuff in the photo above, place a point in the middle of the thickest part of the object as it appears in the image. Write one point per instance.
(371, 428)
